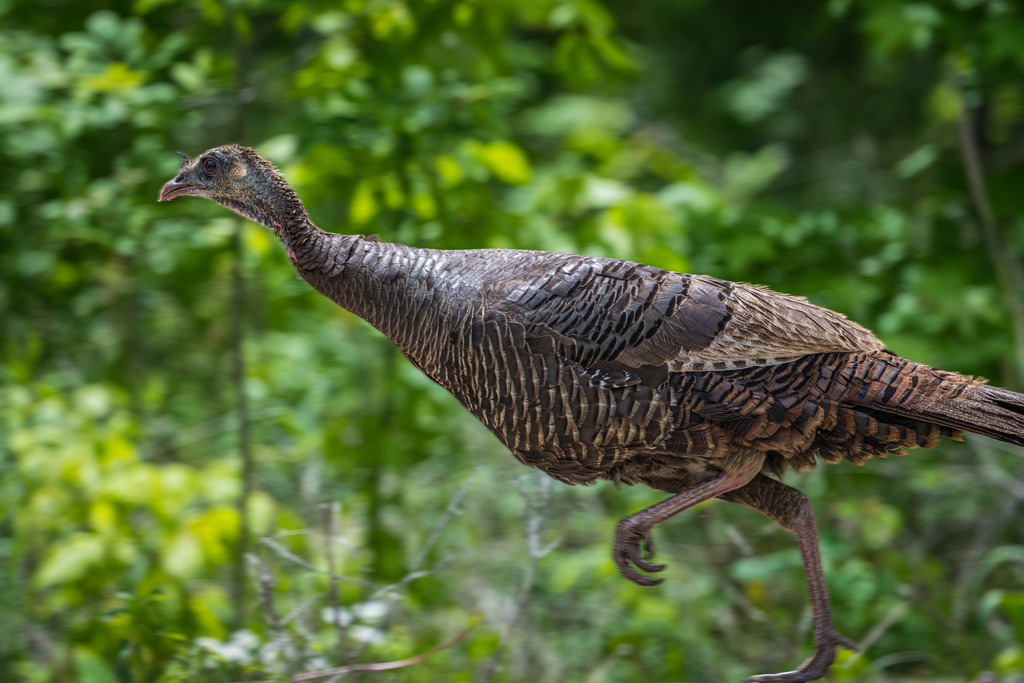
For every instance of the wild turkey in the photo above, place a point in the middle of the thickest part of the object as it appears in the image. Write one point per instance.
(594, 368)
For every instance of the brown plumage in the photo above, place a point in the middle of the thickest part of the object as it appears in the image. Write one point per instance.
(594, 368)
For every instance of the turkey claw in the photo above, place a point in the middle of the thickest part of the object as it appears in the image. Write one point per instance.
(815, 667)
(633, 547)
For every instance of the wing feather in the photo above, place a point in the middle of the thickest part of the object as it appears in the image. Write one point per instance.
(616, 316)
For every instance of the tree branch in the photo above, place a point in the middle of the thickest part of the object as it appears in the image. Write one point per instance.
(238, 369)
(537, 508)
(330, 511)
(376, 666)
(265, 581)
(1007, 267)
(292, 557)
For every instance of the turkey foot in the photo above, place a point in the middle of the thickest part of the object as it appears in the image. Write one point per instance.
(815, 667)
(633, 545)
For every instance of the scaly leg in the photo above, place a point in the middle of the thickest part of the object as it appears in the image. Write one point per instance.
(792, 510)
(633, 544)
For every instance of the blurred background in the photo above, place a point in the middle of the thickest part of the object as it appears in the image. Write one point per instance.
(208, 472)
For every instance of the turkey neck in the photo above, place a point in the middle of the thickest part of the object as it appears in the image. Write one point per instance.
(393, 287)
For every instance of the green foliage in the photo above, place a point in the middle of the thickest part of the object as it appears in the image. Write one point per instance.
(818, 148)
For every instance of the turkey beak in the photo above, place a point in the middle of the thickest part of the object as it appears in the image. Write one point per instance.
(174, 189)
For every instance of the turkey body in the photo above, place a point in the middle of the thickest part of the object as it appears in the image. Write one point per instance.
(595, 368)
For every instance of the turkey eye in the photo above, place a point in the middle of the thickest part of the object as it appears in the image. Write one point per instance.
(210, 165)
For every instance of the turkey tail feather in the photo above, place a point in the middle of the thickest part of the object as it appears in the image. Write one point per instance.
(900, 387)
(986, 410)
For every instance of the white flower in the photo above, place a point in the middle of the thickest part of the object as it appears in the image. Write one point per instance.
(366, 634)
(336, 615)
(370, 611)
(238, 649)
(364, 611)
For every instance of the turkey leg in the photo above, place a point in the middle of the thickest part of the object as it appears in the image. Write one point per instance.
(792, 510)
